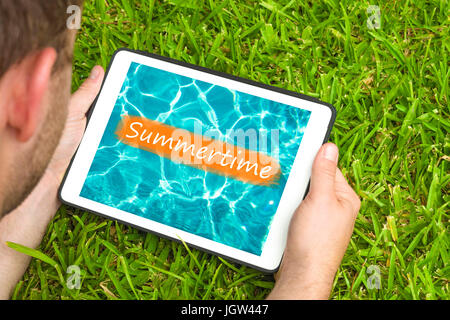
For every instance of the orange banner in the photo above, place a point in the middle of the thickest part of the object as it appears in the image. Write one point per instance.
(199, 151)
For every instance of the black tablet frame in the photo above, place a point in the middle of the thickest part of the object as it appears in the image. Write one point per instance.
(217, 73)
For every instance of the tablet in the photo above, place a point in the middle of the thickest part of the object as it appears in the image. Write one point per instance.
(195, 155)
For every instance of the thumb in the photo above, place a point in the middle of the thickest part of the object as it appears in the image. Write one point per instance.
(82, 99)
(324, 168)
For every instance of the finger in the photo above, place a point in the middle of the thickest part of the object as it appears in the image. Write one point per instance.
(345, 193)
(323, 173)
(341, 183)
(82, 99)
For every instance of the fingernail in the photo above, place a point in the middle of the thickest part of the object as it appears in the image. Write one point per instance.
(94, 73)
(331, 152)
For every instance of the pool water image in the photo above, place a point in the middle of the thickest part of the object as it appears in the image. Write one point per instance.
(210, 205)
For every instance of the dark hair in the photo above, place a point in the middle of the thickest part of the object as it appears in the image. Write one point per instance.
(30, 25)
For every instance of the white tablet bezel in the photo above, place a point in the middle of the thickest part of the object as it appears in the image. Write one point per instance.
(314, 136)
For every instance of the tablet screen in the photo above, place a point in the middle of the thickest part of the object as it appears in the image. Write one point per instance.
(196, 156)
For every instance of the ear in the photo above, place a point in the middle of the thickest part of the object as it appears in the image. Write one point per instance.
(30, 80)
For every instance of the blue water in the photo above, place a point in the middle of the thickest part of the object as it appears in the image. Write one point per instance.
(219, 208)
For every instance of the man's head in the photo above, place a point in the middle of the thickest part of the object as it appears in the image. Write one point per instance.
(35, 77)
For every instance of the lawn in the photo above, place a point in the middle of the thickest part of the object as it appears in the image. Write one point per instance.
(390, 88)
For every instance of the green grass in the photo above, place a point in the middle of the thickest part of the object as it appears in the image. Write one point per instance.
(390, 88)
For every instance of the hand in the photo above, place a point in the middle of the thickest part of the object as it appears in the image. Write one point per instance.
(319, 232)
(76, 123)
(26, 224)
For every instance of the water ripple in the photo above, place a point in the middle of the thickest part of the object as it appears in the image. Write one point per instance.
(212, 206)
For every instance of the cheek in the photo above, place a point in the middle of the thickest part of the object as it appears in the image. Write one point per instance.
(2, 121)
(62, 82)
(59, 91)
